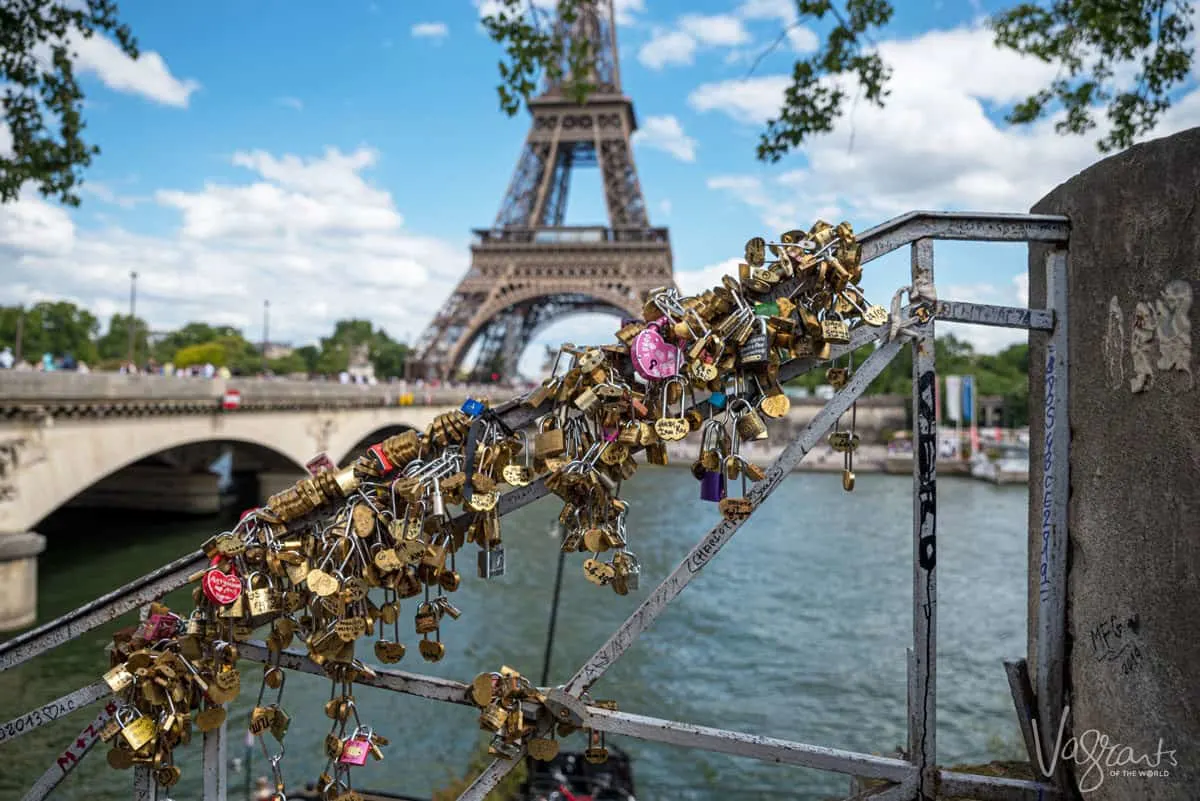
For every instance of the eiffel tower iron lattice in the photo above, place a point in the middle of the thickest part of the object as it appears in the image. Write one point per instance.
(529, 269)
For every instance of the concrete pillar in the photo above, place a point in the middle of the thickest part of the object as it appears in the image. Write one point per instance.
(18, 579)
(1133, 595)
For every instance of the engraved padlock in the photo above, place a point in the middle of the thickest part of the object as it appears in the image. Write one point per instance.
(355, 749)
(261, 596)
(750, 426)
(756, 350)
(137, 730)
(834, 329)
(492, 717)
(426, 618)
(491, 562)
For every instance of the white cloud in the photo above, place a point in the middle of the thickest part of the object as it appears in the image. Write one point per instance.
(291, 102)
(692, 32)
(933, 145)
(693, 282)
(664, 206)
(802, 40)
(148, 76)
(752, 100)
(719, 30)
(292, 232)
(666, 134)
(627, 10)
(430, 30)
(667, 48)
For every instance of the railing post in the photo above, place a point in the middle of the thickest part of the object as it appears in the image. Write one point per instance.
(216, 777)
(922, 663)
(1055, 454)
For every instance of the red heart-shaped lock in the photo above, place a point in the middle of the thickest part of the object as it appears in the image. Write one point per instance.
(220, 587)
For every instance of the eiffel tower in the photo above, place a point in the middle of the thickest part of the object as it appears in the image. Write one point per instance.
(529, 269)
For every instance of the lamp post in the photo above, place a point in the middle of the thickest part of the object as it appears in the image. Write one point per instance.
(266, 332)
(132, 311)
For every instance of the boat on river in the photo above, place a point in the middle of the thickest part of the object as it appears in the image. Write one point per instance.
(1002, 464)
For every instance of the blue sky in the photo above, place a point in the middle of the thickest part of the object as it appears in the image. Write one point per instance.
(335, 162)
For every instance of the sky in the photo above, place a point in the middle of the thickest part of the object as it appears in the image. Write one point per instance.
(334, 162)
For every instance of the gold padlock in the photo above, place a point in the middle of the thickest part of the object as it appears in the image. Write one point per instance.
(492, 717)
(549, 439)
(137, 730)
(426, 619)
(835, 331)
(262, 599)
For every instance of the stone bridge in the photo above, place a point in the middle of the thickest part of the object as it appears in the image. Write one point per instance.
(146, 442)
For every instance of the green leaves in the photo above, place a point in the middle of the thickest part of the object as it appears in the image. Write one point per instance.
(1123, 56)
(41, 101)
(1129, 55)
(813, 101)
(537, 47)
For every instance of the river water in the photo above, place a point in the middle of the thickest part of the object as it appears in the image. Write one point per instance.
(797, 629)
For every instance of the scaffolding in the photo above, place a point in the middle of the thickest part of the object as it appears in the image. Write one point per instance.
(916, 775)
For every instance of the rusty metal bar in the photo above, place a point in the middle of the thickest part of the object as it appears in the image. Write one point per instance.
(216, 761)
(1024, 703)
(922, 663)
(104, 609)
(766, 749)
(52, 711)
(70, 757)
(967, 226)
(952, 784)
(1055, 454)
(955, 311)
(400, 681)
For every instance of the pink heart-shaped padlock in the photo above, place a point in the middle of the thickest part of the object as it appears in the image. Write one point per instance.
(653, 357)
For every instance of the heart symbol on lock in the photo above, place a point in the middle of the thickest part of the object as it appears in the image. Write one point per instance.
(653, 357)
(220, 587)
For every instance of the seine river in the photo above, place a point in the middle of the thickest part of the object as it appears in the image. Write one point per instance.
(796, 630)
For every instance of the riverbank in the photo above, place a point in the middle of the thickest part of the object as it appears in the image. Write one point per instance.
(824, 459)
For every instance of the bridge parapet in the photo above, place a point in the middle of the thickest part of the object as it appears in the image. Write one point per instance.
(61, 387)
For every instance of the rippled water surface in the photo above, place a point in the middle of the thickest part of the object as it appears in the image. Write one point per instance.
(797, 630)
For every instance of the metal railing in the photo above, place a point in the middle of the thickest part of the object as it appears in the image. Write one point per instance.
(916, 775)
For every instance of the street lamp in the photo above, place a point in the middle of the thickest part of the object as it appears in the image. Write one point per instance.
(132, 310)
(266, 330)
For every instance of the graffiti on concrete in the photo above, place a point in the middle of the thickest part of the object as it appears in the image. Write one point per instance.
(1175, 329)
(1160, 338)
(1115, 640)
(1114, 345)
(1141, 347)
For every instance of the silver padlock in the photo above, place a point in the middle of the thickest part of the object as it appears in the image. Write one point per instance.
(756, 350)
(437, 504)
(491, 562)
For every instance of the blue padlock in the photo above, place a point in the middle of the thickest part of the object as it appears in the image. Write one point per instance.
(472, 407)
(717, 400)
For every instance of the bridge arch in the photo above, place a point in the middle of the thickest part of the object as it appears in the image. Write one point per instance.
(50, 463)
(533, 307)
